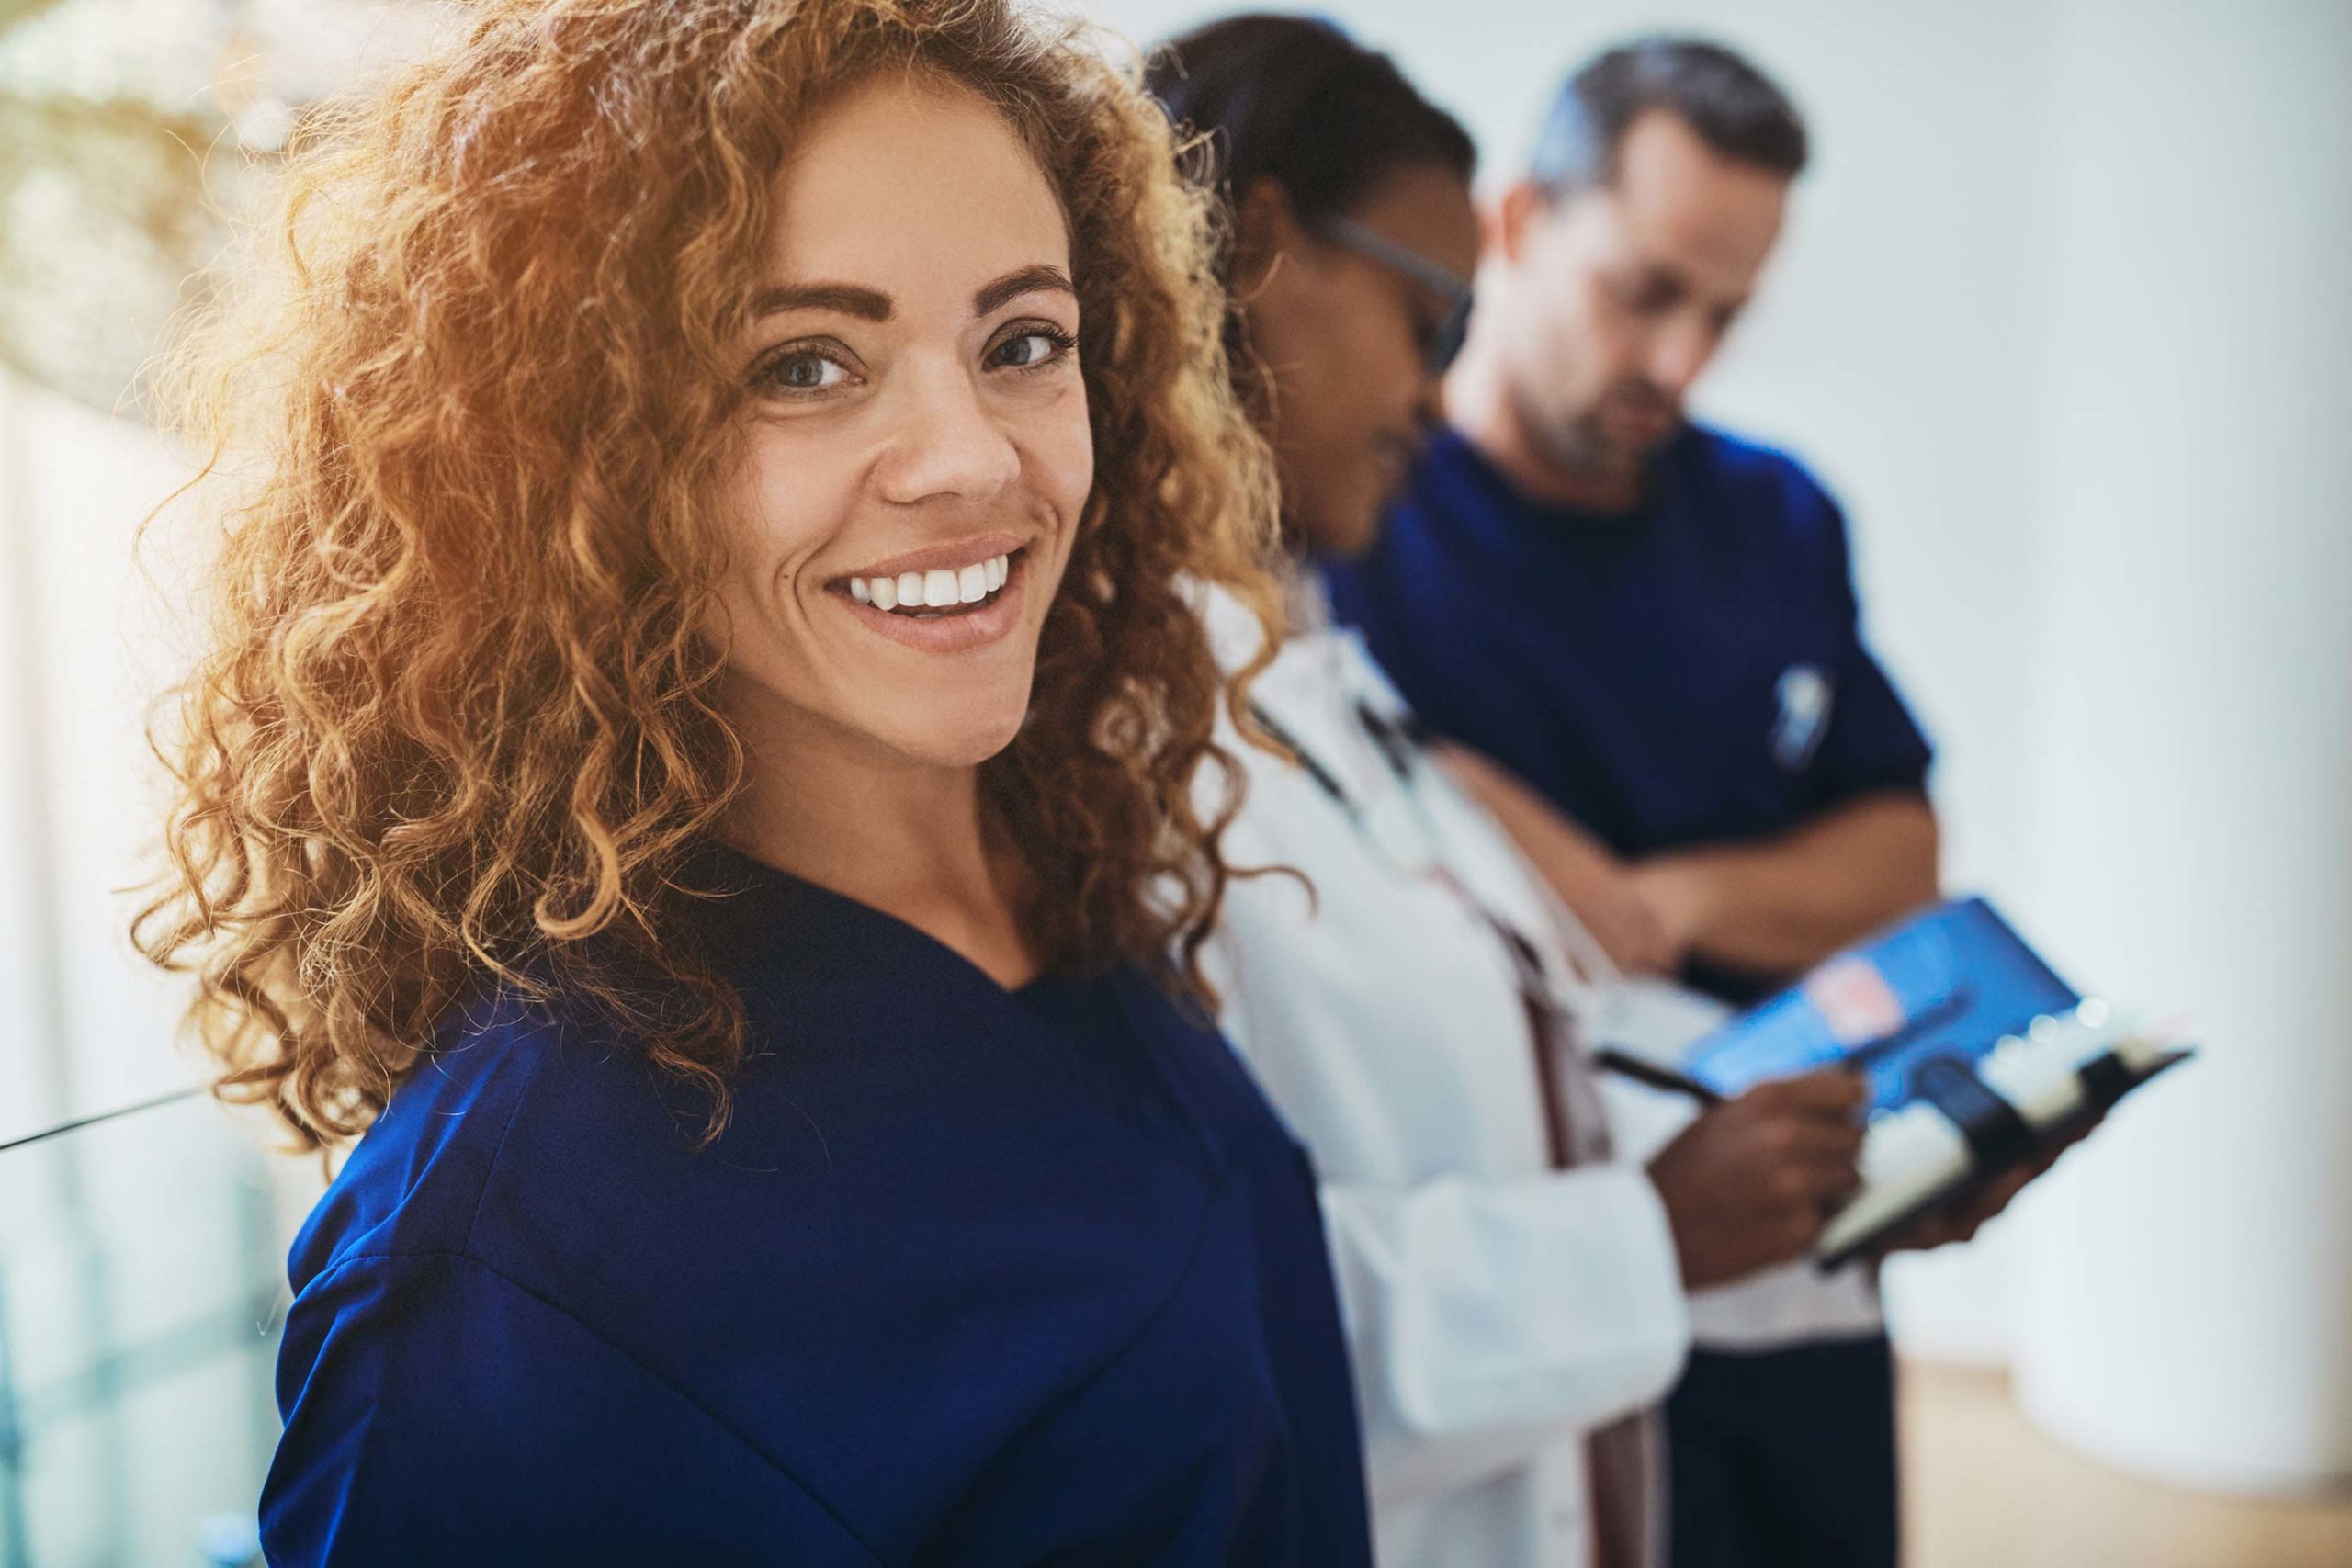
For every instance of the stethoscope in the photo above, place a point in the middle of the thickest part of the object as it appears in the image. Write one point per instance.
(1402, 743)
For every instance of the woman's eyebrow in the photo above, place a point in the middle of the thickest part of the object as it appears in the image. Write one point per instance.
(992, 296)
(866, 304)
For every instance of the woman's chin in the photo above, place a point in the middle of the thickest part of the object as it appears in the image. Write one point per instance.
(952, 734)
(1344, 530)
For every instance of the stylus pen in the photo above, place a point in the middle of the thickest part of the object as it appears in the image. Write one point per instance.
(1654, 1076)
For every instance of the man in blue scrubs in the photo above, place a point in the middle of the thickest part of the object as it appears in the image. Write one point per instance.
(1653, 623)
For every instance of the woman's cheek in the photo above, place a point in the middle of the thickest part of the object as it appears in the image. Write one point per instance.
(805, 488)
(1063, 446)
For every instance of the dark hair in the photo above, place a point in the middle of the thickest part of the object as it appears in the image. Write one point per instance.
(1737, 110)
(1297, 99)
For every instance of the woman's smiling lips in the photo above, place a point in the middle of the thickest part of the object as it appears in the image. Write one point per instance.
(945, 599)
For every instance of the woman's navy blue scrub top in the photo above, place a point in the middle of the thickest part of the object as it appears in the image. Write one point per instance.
(972, 1277)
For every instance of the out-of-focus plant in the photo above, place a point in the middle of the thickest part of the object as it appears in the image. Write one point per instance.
(12, 11)
(133, 134)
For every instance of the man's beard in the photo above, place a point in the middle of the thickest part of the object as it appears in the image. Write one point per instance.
(1577, 442)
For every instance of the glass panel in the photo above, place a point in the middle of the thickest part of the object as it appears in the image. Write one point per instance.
(142, 1291)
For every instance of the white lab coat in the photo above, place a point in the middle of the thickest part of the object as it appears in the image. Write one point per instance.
(1499, 1309)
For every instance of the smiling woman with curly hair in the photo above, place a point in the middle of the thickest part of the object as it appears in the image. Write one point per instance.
(695, 764)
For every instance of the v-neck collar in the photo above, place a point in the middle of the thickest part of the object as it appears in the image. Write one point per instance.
(813, 915)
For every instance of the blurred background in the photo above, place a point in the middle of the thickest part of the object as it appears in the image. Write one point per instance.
(2064, 316)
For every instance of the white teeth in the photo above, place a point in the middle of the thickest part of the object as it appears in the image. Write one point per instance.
(935, 589)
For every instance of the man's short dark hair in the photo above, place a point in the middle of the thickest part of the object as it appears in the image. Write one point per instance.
(1736, 110)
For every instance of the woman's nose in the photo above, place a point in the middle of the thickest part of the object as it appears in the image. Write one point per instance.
(948, 445)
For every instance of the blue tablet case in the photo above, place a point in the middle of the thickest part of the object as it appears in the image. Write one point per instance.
(1947, 983)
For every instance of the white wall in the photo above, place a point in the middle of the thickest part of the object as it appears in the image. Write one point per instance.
(2187, 1301)
(83, 648)
(27, 999)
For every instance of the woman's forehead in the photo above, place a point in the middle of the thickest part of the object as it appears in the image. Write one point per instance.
(915, 186)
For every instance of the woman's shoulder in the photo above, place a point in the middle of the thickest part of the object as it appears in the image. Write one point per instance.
(878, 1230)
(914, 1136)
(414, 1183)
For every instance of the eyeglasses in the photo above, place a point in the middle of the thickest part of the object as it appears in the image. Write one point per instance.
(1442, 345)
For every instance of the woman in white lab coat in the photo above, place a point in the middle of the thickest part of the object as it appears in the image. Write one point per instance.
(1515, 1296)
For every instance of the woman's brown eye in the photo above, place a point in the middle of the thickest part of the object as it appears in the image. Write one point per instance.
(1027, 350)
(806, 373)
(802, 371)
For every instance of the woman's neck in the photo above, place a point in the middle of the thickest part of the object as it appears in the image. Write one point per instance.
(1306, 606)
(903, 837)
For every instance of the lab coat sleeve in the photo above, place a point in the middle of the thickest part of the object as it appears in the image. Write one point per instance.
(435, 1411)
(1486, 1317)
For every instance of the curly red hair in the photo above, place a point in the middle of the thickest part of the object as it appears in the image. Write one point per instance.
(456, 725)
